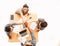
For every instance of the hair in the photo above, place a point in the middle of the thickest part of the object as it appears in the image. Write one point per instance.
(41, 24)
(25, 5)
(7, 29)
(44, 24)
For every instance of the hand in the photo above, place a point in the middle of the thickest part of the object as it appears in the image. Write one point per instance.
(26, 24)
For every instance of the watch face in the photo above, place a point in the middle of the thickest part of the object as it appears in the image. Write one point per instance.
(23, 33)
(30, 17)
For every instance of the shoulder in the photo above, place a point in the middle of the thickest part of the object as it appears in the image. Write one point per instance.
(33, 14)
(18, 11)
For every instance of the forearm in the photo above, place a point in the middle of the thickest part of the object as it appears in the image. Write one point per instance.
(16, 23)
(32, 35)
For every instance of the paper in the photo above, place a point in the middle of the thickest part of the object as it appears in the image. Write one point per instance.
(33, 25)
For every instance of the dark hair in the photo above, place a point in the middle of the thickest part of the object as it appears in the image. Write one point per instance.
(7, 29)
(41, 24)
(44, 24)
(25, 5)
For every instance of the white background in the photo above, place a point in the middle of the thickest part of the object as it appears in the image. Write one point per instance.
(47, 9)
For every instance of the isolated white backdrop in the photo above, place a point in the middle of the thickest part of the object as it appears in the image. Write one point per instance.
(47, 9)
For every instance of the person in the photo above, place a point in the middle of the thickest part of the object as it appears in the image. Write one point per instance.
(8, 29)
(41, 25)
(25, 15)
(13, 37)
(31, 42)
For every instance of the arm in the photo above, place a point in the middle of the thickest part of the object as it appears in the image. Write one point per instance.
(31, 33)
(33, 41)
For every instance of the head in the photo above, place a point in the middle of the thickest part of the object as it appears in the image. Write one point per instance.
(41, 24)
(8, 30)
(25, 9)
